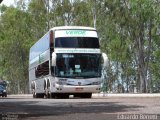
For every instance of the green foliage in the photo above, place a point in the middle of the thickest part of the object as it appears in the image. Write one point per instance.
(129, 32)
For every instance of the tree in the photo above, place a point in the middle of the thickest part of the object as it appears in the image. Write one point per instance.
(128, 32)
(126, 29)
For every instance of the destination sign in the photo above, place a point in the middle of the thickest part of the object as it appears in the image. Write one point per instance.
(75, 33)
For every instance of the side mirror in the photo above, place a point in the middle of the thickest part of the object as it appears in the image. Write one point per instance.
(105, 60)
(54, 56)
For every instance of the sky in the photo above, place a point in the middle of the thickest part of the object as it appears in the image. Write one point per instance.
(8, 2)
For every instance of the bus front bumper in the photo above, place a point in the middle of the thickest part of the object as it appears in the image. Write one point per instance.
(77, 89)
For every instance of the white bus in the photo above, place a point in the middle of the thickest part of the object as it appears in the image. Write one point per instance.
(66, 61)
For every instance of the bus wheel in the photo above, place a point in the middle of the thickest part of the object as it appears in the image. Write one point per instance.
(47, 93)
(66, 96)
(41, 95)
(50, 95)
(61, 96)
(86, 95)
(34, 94)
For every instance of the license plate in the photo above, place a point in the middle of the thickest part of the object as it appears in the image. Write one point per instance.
(79, 89)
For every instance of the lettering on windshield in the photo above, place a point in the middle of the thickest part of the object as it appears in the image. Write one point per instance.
(76, 32)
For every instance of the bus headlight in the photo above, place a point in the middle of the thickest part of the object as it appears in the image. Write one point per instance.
(62, 81)
(96, 83)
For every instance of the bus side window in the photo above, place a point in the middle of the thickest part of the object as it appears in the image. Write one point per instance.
(42, 69)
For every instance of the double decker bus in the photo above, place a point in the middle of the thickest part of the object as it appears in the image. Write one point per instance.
(66, 61)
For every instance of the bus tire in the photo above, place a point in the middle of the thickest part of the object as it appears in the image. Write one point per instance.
(47, 90)
(61, 96)
(51, 95)
(41, 95)
(46, 94)
(34, 94)
(86, 95)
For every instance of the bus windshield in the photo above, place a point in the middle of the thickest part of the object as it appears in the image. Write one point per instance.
(77, 42)
(78, 65)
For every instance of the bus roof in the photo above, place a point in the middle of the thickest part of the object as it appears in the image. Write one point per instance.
(72, 27)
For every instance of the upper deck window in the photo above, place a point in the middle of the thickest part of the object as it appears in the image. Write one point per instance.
(76, 39)
(77, 42)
